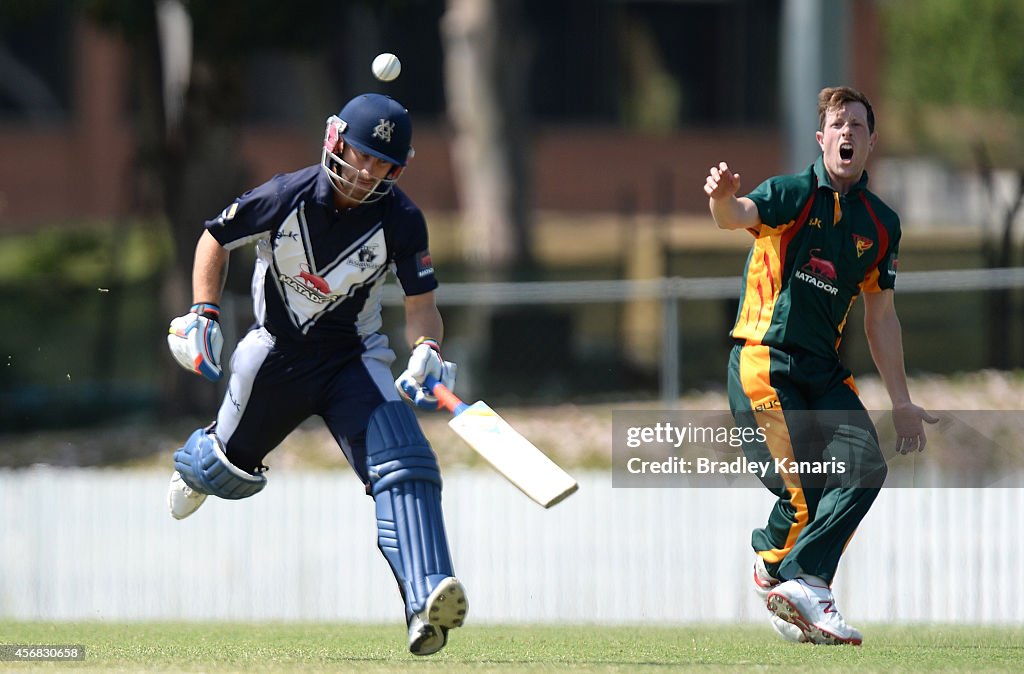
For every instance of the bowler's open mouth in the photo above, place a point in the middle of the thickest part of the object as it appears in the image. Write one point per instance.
(846, 152)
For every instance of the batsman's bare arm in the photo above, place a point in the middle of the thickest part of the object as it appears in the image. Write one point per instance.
(728, 211)
(209, 269)
(422, 319)
(885, 339)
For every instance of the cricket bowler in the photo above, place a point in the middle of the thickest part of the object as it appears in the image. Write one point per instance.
(326, 236)
(821, 239)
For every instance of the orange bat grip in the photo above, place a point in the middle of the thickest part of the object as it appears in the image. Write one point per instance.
(445, 397)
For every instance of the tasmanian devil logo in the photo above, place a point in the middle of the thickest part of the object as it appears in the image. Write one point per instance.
(820, 267)
(819, 272)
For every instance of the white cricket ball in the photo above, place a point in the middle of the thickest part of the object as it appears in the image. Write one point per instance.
(386, 67)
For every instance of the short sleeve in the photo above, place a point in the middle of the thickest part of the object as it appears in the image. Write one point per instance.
(780, 199)
(890, 262)
(413, 265)
(250, 216)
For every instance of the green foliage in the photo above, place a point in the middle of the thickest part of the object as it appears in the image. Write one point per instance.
(955, 76)
(949, 51)
(91, 254)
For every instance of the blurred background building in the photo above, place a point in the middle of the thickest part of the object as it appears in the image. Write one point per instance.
(555, 142)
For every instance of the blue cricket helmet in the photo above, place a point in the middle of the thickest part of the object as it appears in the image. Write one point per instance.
(378, 125)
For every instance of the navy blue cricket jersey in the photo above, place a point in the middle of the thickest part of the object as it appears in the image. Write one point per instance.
(319, 271)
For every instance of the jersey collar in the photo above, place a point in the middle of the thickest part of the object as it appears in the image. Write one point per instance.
(324, 192)
(825, 181)
(324, 195)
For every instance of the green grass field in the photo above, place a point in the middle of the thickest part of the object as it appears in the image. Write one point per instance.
(232, 647)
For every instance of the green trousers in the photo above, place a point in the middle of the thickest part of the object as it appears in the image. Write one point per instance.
(806, 409)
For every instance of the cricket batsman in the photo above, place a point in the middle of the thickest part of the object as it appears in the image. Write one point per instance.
(821, 239)
(326, 236)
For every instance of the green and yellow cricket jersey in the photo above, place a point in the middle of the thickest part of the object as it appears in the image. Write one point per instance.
(814, 252)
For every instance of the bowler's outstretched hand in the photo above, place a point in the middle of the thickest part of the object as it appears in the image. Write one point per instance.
(722, 182)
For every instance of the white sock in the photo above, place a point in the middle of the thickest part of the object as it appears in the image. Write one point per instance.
(813, 580)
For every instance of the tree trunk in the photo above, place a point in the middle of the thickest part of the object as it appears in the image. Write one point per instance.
(203, 174)
(188, 169)
(998, 253)
(487, 57)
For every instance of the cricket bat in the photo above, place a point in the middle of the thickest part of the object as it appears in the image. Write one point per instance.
(505, 449)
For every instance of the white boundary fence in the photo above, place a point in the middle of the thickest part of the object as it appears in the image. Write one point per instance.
(82, 544)
(672, 291)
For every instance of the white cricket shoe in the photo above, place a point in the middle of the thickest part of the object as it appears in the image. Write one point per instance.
(182, 499)
(764, 583)
(445, 609)
(787, 631)
(813, 609)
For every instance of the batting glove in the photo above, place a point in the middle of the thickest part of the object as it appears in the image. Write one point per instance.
(195, 340)
(425, 360)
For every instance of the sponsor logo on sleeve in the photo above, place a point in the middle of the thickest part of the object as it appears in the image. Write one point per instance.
(894, 265)
(424, 266)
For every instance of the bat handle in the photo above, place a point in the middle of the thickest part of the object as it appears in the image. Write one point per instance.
(445, 396)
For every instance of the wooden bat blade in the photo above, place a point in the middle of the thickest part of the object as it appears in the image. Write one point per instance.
(512, 455)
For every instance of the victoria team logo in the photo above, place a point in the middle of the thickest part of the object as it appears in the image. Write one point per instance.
(819, 272)
(384, 130)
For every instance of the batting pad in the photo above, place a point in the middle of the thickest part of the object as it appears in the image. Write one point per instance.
(204, 467)
(406, 487)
